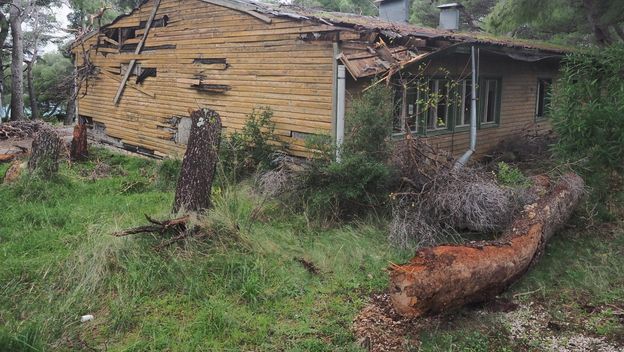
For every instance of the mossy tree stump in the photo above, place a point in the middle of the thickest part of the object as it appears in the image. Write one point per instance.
(46, 148)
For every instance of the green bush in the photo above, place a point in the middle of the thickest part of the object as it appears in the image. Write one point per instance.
(360, 181)
(511, 176)
(250, 149)
(588, 115)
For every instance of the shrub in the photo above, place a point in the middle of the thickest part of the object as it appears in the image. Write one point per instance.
(250, 149)
(511, 176)
(360, 181)
(588, 115)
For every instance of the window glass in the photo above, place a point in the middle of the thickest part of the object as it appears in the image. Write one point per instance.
(439, 104)
(464, 101)
(490, 101)
(544, 86)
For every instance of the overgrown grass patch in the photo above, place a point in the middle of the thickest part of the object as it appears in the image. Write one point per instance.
(241, 287)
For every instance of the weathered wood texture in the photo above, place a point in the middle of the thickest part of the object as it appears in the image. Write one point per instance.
(78, 150)
(45, 152)
(441, 278)
(265, 65)
(199, 163)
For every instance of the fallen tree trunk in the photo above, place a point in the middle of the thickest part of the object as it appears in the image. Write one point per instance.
(449, 276)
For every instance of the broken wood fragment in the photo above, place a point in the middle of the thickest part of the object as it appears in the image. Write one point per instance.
(14, 171)
(137, 51)
(444, 277)
(177, 225)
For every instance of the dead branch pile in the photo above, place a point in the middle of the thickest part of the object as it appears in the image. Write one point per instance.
(279, 180)
(19, 129)
(436, 199)
(448, 276)
(533, 143)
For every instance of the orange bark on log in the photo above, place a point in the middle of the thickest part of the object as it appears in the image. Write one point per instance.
(449, 276)
(79, 143)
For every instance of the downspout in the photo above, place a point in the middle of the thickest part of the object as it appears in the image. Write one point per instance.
(340, 110)
(473, 115)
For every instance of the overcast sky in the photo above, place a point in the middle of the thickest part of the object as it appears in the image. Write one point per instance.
(61, 16)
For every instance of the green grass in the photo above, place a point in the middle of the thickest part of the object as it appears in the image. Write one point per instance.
(240, 287)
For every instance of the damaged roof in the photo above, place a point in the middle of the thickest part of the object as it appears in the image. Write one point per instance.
(392, 46)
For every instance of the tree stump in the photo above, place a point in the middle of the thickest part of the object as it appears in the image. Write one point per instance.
(199, 163)
(78, 149)
(46, 147)
(449, 276)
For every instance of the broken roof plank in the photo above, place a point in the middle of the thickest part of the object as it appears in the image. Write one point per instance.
(250, 10)
(137, 51)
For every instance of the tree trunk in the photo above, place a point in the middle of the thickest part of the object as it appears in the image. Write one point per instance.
(70, 112)
(79, 143)
(46, 148)
(32, 98)
(200, 160)
(601, 31)
(448, 276)
(17, 59)
(4, 30)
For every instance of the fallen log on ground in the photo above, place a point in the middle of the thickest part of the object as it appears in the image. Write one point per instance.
(12, 154)
(444, 277)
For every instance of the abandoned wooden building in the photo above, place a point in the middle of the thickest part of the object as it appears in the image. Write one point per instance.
(151, 66)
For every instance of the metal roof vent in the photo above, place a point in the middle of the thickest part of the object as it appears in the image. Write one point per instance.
(449, 16)
(394, 10)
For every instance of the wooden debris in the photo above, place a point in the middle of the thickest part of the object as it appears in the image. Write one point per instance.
(78, 149)
(444, 277)
(19, 129)
(178, 225)
(137, 51)
(308, 265)
(14, 171)
(199, 163)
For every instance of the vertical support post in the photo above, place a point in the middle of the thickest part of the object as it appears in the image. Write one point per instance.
(340, 110)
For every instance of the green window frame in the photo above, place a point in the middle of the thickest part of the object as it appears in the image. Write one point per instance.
(449, 109)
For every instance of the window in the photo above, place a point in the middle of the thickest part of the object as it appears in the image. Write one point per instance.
(463, 104)
(438, 104)
(406, 115)
(544, 88)
(438, 116)
(490, 101)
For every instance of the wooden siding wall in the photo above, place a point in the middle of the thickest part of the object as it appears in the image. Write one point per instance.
(268, 65)
(519, 93)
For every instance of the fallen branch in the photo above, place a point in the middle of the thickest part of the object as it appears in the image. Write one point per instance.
(449, 276)
(161, 227)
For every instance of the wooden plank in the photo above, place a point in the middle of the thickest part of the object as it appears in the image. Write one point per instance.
(137, 51)
(132, 85)
(246, 9)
